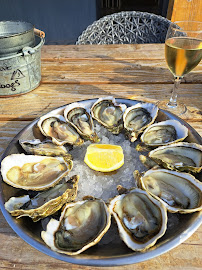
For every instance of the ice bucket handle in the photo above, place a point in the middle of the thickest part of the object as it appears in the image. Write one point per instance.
(39, 33)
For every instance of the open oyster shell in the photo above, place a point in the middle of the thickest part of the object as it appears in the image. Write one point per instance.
(141, 219)
(45, 203)
(138, 117)
(31, 172)
(60, 132)
(165, 132)
(82, 224)
(179, 192)
(45, 148)
(182, 156)
(81, 120)
(109, 114)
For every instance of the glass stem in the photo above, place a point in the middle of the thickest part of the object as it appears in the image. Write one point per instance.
(173, 100)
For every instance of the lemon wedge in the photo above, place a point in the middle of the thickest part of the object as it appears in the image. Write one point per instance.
(104, 157)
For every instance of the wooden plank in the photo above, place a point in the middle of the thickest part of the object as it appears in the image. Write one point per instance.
(109, 64)
(102, 52)
(184, 10)
(8, 130)
(50, 96)
(22, 256)
(117, 71)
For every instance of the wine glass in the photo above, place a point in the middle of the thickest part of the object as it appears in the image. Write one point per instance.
(183, 52)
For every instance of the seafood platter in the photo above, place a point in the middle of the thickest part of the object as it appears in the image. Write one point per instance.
(63, 208)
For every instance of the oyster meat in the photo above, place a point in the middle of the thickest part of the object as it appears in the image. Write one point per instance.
(81, 120)
(182, 156)
(45, 203)
(58, 130)
(108, 113)
(179, 192)
(141, 219)
(164, 132)
(138, 117)
(31, 172)
(82, 224)
(45, 148)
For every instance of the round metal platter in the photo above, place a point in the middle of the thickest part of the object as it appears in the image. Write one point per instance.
(103, 255)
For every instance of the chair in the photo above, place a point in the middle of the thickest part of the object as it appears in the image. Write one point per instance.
(126, 27)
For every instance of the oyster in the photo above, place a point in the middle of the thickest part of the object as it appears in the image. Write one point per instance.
(138, 117)
(58, 130)
(82, 224)
(45, 148)
(31, 172)
(182, 156)
(81, 120)
(163, 133)
(179, 192)
(108, 113)
(141, 219)
(45, 203)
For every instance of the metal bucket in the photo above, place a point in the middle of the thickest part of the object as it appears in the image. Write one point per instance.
(21, 73)
(14, 36)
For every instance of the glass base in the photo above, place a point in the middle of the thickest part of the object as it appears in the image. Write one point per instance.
(178, 110)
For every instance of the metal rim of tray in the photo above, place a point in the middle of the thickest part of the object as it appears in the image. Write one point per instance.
(116, 260)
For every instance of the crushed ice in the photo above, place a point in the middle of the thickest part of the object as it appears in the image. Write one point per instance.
(103, 185)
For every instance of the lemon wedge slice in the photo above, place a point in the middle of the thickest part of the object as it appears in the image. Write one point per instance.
(104, 157)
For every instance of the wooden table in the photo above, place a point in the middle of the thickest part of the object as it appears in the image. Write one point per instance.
(71, 73)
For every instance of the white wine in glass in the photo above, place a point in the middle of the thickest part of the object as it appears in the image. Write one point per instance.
(183, 52)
